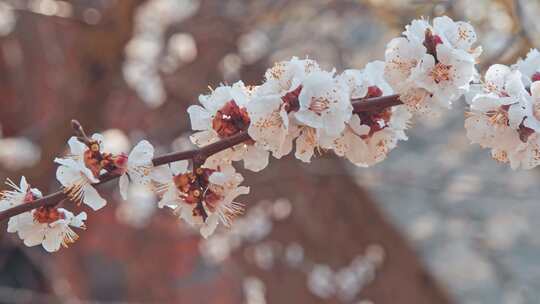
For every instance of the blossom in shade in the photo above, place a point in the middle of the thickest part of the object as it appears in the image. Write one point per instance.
(202, 198)
(48, 226)
(136, 167)
(79, 170)
(18, 194)
(223, 114)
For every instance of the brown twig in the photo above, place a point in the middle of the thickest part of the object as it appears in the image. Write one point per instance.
(198, 155)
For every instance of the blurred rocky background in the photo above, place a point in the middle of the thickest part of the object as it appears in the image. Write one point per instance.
(438, 222)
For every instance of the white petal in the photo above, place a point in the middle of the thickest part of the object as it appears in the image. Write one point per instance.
(204, 138)
(255, 159)
(23, 186)
(92, 198)
(78, 221)
(178, 167)
(200, 118)
(99, 138)
(210, 225)
(76, 147)
(123, 185)
(67, 175)
(53, 239)
(170, 198)
(161, 174)
(142, 153)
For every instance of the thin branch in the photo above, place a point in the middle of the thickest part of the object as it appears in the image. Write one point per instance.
(198, 155)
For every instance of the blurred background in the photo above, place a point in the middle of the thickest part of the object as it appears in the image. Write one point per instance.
(437, 222)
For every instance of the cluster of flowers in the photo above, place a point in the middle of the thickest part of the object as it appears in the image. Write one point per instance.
(433, 65)
(300, 104)
(505, 112)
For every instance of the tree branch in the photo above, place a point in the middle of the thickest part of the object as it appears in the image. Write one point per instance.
(197, 155)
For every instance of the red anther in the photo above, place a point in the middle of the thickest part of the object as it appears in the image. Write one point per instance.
(230, 119)
(535, 77)
(47, 215)
(374, 91)
(120, 161)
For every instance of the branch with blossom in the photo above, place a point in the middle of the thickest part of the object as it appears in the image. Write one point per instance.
(358, 114)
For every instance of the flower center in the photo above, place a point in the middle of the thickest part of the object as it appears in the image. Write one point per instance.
(319, 105)
(230, 119)
(47, 215)
(441, 72)
(194, 186)
(499, 116)
(535, 77)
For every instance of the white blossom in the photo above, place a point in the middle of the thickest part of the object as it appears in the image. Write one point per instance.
(529, 67)
(287, 76)
(222, 115)
(432, 66)
(325, 104)
(270, 124)
(18, 194)
(368, 137)
(504, 117)
(50, 235)
(221, 186)
(138, 167)
(76, 177)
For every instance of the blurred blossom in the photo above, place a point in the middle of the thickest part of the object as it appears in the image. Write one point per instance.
(116, 141)
(252, 227)
(64, 9)
(282, 209)
(139, 208)
(504, 228)
(91, 16)
(230, 66)
(264, 256)
(182, 49)
(347, 282)
(423, 227)
(253, 46)
(320, 281)
(254, 291)
(18, 152)
(45, 7)
(294, 254)
(7, 19)
(463, 268)
(141, 66)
